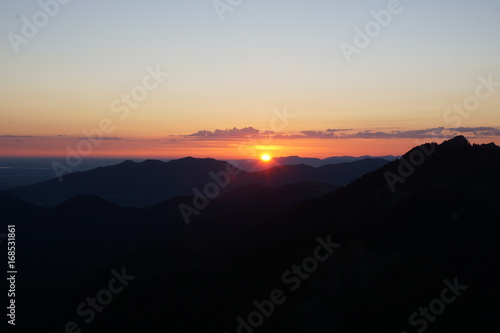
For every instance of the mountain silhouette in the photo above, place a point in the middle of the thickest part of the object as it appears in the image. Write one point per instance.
(150, 182)
(128, 183)
(253, 165)
(438, 222)
(397, 249)
(333, 174)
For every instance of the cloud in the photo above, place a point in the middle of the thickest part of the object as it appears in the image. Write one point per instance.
(14, 138)
(295, 136)
(319, 134)
(106, 139)
(338, 130)
(428, 133)
(229, 133)
(478, 131)
(437, 132)
(370, 134)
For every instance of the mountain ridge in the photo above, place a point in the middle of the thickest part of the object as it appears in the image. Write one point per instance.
(152, 181)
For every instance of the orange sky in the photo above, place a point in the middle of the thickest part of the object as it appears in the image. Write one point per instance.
(221, 149)
(160, 73)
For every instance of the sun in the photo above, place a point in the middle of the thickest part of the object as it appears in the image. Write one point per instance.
(266, 157)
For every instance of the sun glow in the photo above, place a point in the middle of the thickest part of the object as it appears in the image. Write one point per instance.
(266, 157)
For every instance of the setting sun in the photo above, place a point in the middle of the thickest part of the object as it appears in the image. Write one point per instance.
(265, 157)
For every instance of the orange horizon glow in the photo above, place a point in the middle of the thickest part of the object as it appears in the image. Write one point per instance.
(222, 149)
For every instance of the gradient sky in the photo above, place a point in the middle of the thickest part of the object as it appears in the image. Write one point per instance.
(232, 73)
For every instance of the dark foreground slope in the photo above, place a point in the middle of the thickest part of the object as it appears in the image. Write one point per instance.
(63, 249)
(396, 250)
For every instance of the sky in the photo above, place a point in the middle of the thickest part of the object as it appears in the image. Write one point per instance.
(235, 79)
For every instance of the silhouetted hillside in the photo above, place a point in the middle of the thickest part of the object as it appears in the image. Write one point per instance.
(398, 244)
(128, 183)
(253, 165)
(397, 249)
(334, 174)
(86, 234)
(150, 182)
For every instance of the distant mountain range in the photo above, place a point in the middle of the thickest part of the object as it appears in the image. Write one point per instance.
(396, 247)
(253, 165)
(24, 171)
(17, 172)
(152, 181)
